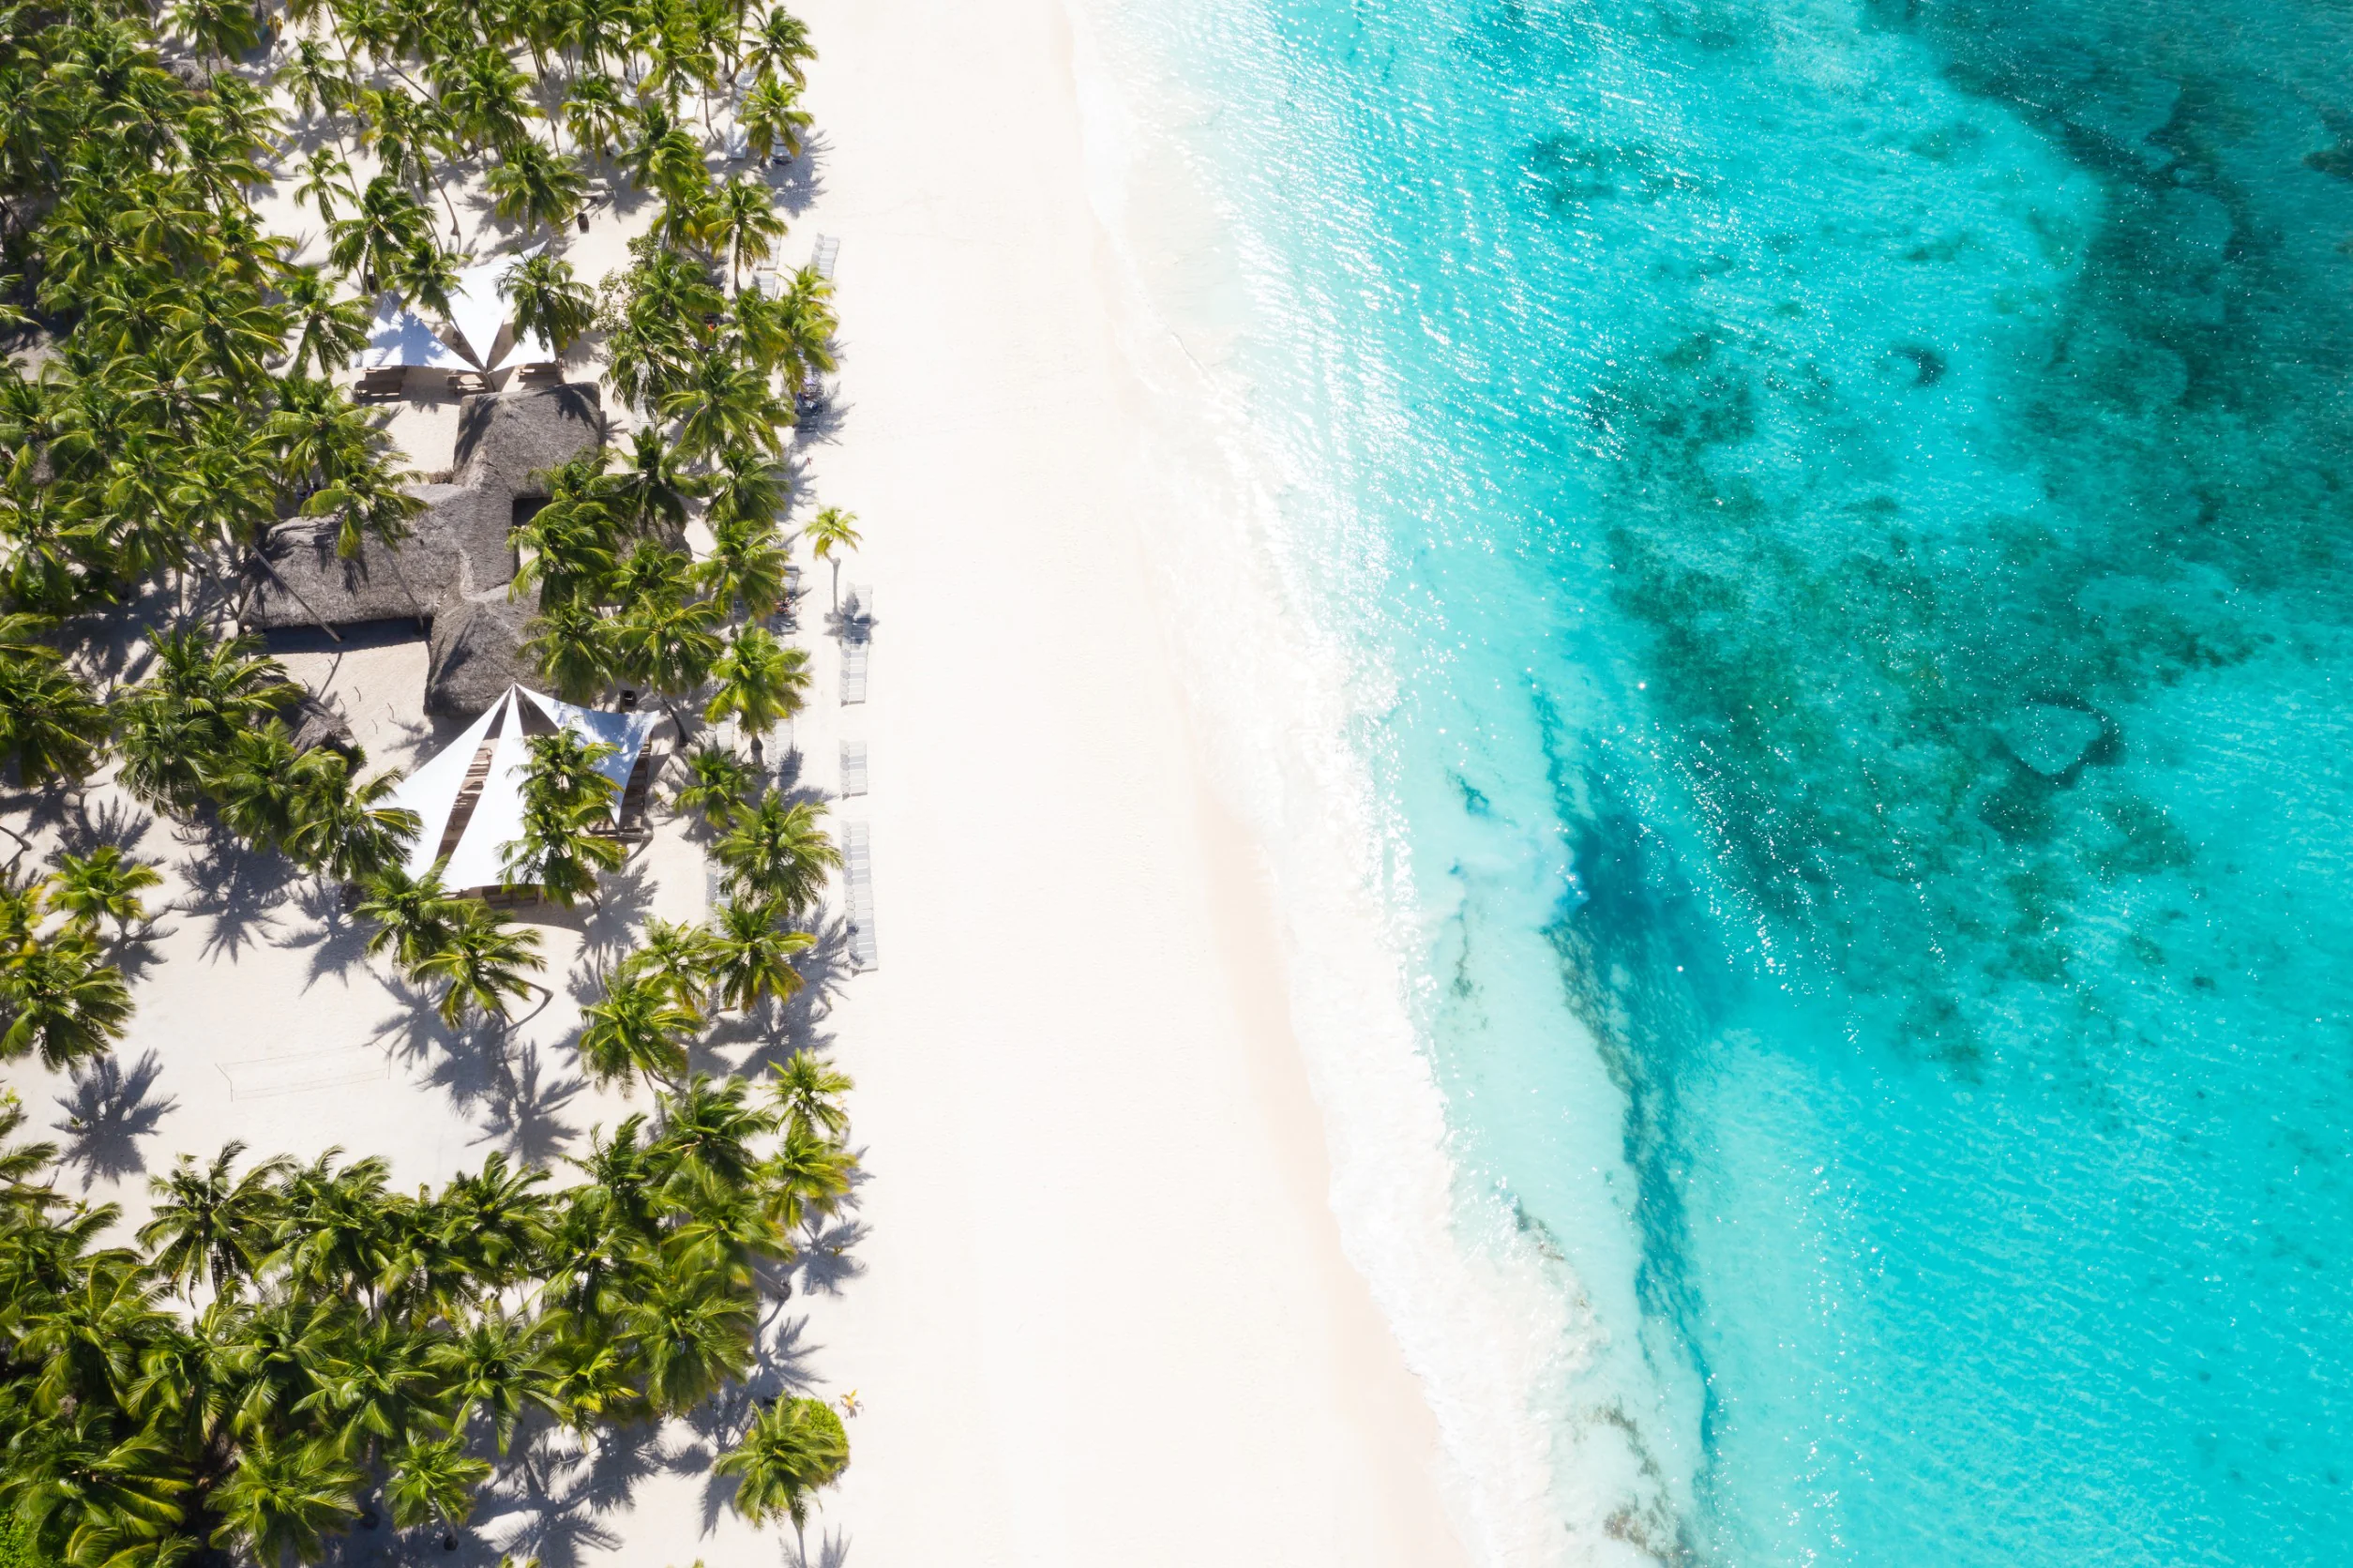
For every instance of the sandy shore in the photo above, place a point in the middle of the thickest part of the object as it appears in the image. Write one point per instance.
(1095, 1307)
(1104, 1317)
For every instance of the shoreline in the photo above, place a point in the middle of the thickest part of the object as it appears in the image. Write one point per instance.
(1102, 1320)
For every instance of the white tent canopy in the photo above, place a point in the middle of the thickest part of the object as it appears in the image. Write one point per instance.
(401, 337)
(478, 306)
(436, 789)
(431, 791)
(625, 732)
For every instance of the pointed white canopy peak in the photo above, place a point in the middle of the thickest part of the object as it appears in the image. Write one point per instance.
(478, 306)
(431, 791)
(402, 336)
(479, 859)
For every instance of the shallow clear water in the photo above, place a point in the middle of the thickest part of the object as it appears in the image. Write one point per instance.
(1854, 501)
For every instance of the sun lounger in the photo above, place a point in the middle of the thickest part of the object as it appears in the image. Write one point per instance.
(546, 372)
(822, 258)
(463, 382)
(853, 768)
(387, 381)
(857, 872)
(852, 673)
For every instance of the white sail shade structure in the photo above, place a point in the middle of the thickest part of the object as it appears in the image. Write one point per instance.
(478, 306)
(436, 791)
(479, 859)
(401, 337)
(431, 791)
(625, 732)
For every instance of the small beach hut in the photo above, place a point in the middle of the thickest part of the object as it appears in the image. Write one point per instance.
(469, 796)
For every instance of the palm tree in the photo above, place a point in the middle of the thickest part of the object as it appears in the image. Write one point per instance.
(675, 958)
(208, 1228)
(367, 503)
(217, 28)
(589, 1381)
(176, 726)
(570, 644)
(376, 1388)
(283, 1500)
(255, 784)
(795, 1448)
(414, 916)
(831, 534)
(497, 1366)
(328, 332)
(597, 115)
(747, 566)
(808, 1096)
(566, 804)
(663, 156)
(653, 490)
(708, 1132)
(567, 549)
(385, 225)
(483, 958)
(318, 82)
(531, 185)
(724, 404)
(548, 300)
(772, 117)
(653, 570)
(748, 486)
(425, 274)
(50, 726)
(434, 1481)
(690, 1334)
(744, 220)
(717, 783)
(780, 47)
(326, 180)
(561, 849)
(762, 682)
(808, 1174)
(793, 332)
(639, 1027)
(775, 850)
(343, 827)
(103, 884)
(667, 642)
(65, 1002)
(482, 92)
(752, 953)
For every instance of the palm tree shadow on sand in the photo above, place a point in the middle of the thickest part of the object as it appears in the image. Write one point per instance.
(237, 889)
(107, 1114)
(339, 942)
(526, 1122)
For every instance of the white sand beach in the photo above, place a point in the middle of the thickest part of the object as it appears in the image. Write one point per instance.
(1094, 1306)
(1104, 1314)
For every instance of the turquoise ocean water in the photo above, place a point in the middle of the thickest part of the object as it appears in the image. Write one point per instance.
(1858, 502)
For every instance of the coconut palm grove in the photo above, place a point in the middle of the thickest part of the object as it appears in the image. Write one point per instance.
(287, 1351)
